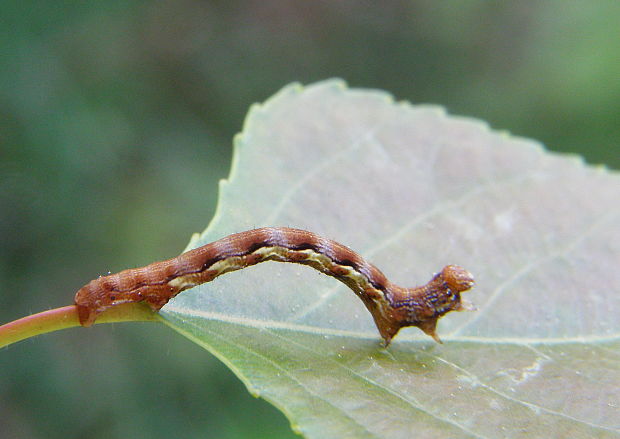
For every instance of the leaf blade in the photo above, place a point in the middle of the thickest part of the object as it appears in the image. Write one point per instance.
(412, 190)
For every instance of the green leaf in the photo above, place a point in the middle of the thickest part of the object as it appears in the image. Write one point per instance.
(412, 190)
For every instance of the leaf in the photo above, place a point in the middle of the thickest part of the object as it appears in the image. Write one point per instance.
(412, 190)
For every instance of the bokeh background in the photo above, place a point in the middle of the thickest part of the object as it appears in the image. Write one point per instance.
(116, 122)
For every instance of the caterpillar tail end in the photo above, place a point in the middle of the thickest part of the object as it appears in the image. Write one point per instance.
(85, 315)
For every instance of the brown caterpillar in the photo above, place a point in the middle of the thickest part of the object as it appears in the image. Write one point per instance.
(391, 306)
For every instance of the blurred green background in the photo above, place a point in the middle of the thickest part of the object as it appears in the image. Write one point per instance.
(116, 122)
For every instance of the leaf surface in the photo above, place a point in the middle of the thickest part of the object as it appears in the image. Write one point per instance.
(412, 190)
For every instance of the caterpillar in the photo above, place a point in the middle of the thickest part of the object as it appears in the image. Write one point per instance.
(392, 307)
